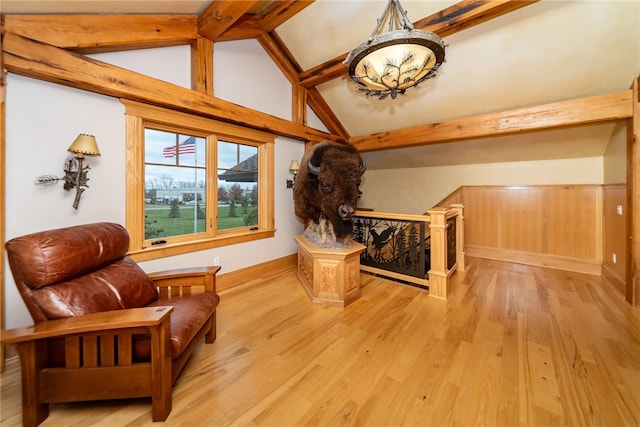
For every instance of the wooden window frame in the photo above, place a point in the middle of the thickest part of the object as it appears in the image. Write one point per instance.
(138, 116)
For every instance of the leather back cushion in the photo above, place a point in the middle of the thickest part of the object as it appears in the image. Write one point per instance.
(114, 287)
(78, 270)
(52, 256)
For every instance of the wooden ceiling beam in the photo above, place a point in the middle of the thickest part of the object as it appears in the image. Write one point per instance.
(467, 14)
(252, 26)
(220, 16)
(224, 20)
(280, 55)
(202, 66)
(37, 60)
(247, 27)
(280, 12)
(581, 111)
(458, 17)
(325, 113)
(105, 33)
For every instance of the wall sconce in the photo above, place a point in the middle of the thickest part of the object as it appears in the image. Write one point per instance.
(293, 168)
(75, 173)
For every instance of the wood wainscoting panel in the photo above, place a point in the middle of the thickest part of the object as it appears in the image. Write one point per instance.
(574, 221)
(559, 226)
(482, 221)
(522, 218)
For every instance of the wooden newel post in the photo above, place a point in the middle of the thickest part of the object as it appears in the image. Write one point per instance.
(438, 271)
(459, 236)
(444, 260)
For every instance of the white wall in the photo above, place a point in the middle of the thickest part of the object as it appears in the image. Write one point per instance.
(43, 119)
(615, 157)
(415, 190)
(239, 71)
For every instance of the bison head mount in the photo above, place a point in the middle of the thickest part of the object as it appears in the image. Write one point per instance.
(327, 189)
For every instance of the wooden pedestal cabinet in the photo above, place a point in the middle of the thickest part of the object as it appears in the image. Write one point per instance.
(329, 276)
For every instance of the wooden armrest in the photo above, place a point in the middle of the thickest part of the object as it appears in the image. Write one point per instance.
(182, 280)
(94, 322)
(187, 272)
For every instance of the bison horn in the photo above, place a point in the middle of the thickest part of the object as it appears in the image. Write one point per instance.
(314, 170)
(363, 166)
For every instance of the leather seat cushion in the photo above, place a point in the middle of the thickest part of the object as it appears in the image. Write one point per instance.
(190, 313)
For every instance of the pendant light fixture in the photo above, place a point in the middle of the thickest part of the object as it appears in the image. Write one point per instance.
(389, 63)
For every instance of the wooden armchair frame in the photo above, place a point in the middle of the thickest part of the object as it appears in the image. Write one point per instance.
(99, 362)
(186, 281)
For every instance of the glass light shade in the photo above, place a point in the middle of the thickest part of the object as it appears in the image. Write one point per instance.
(398, 66)
(85, 144)
(389, 63)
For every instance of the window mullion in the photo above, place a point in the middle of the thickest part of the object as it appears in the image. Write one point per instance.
(212, 184)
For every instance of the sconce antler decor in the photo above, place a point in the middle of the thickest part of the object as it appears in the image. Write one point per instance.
(75, 173)
(293, 168)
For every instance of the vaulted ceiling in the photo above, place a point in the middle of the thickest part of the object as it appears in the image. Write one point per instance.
(502, 56)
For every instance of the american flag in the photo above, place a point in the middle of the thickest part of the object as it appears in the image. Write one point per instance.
(186, 147)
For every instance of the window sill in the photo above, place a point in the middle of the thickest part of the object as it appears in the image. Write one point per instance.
(173, 249)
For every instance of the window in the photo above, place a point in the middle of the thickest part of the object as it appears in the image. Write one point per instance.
(194, 183)
(174, 184)
(238, 200)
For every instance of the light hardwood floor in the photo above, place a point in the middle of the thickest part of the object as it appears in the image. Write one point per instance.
(514, 345)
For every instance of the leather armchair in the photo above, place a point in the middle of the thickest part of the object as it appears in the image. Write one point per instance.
(104, 329)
